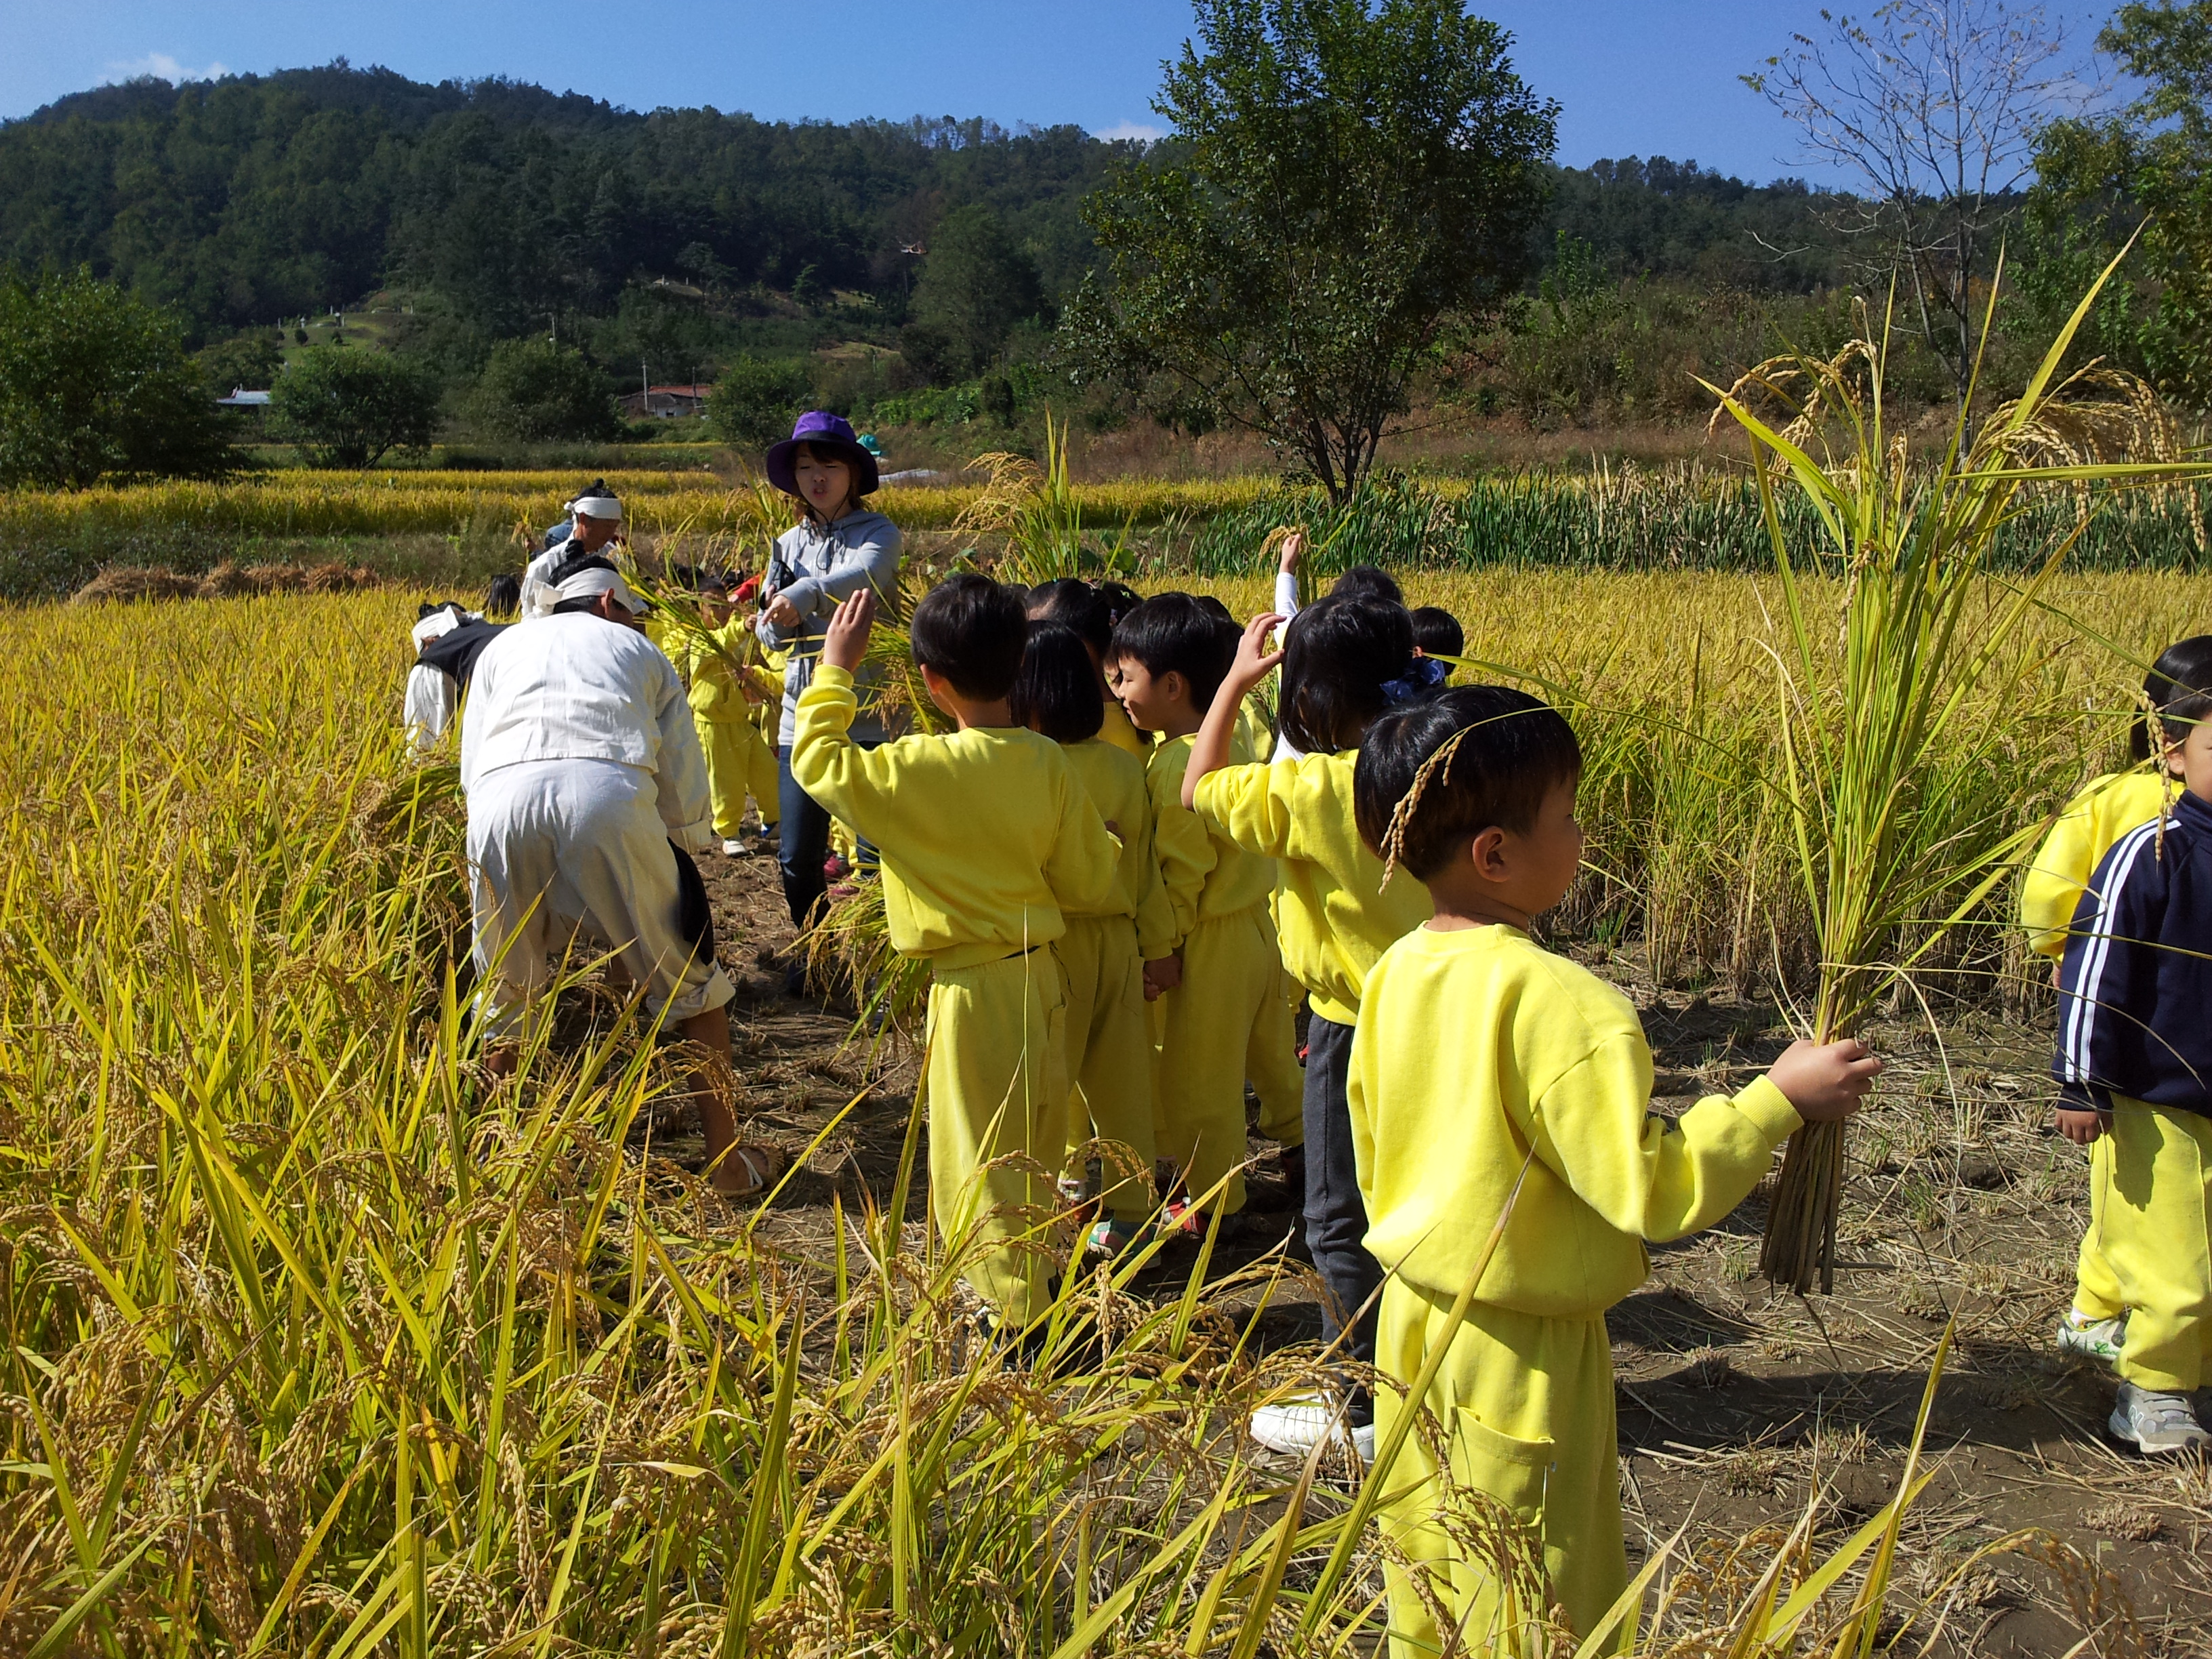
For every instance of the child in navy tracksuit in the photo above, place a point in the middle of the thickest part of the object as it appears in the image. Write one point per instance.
(2134, 1061)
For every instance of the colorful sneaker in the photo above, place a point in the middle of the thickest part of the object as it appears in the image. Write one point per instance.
(2092, 1339)
(1296, 1426)
(834, 869)
(2156, 1423)
(1111, 1238)
(1183, 1217)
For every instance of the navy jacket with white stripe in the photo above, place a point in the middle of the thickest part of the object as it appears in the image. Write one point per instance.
(2135, 990)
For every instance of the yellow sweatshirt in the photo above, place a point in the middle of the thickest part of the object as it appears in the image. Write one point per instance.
(1332, 914)
(986, 835)
(1115, 781)
(1475, 1044)
(2104, 811)
(1205, 875)
(718, 684)
(1123, 735)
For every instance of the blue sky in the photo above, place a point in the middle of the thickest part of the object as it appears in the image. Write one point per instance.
(1634, 77)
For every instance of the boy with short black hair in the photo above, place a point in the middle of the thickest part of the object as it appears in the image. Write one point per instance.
(1482, 1062)
(1225, 1015)
(986, 838)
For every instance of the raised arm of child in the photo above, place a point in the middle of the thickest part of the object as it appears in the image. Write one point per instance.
(1211, 749)
(1286, 574)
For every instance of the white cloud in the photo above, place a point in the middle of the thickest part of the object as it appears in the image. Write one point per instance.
(1143, 133)
(163, 66)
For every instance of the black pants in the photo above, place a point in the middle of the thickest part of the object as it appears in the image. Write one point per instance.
(1336, 1219)
(803, 843)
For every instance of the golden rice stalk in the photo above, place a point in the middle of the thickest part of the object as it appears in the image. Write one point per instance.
(1872, 720)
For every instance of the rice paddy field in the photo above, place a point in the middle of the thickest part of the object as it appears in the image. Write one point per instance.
(458, 526)
(320, 1342)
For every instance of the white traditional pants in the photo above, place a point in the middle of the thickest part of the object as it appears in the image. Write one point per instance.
(574, 850)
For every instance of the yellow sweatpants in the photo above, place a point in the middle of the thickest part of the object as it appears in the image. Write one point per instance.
(1275, 1036)
(739, 764)
(2096, 1288)
(1227, 1022)
(997, 1090)
(1109, 1054)
(1525, 1403)
(2153, 1196)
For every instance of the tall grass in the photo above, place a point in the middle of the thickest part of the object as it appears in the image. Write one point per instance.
(1900, 802)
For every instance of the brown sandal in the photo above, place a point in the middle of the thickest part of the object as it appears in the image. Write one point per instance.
(760, 1165)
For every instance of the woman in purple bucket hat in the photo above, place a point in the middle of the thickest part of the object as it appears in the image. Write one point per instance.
(837, 547)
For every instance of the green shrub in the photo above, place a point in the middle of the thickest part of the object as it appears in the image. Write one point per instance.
(539, 392)
(94, 383)
(756, 400)
(351, 407)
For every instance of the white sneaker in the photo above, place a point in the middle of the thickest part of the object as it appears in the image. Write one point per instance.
(1296, 1426)
(2092, 1339)
(733, 848)
(2156, 1422)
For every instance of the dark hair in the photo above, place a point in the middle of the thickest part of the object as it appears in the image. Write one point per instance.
(1119, 600)
(1176, 634)
(971, 630)
(1074, 604)
(434, 606)
(2179, 687)
(1057, 692)
(1437, 632)
(504, 597)
(1365, 581)
(1220, 611)
(1508, 750)
(1336, 655)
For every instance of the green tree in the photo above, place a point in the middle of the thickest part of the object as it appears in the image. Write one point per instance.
(250, 362)
(95, 384)
(1341, 183)
(536, 391)
(756, 400)
(976, 284)
(2148, 166)
(347, 406)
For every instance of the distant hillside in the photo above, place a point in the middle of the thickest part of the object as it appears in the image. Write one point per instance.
(254, 197)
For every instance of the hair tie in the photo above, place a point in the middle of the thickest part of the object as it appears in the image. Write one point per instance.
(1425, 675)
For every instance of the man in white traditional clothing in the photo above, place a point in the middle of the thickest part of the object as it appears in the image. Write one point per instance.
(595, 520)
(581, 768)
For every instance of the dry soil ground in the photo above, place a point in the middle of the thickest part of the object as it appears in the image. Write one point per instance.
(1737, 1403)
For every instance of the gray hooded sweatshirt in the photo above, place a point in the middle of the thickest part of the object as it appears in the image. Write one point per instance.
(817, 570)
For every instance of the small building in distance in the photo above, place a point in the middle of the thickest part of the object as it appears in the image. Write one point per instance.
(666, 402)
(241, 399)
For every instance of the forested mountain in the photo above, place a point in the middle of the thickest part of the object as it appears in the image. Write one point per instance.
(251, 198)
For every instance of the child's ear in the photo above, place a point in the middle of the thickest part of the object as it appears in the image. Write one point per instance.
(1486, 853)
(1174, 688)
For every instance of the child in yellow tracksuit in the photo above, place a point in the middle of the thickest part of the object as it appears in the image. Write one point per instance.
(1343, 662)
(2134, 1070)
(1101, 956)
(727, 692)
(2095, 1324)
(987, 839)
(1481, 1060)
(1224, 1016)
(1089, 612)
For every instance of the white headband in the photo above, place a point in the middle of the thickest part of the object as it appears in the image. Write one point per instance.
(596, 506)
(439, 623)
(590, 584)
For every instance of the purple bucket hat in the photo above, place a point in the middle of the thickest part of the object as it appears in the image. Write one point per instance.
(819, 428)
